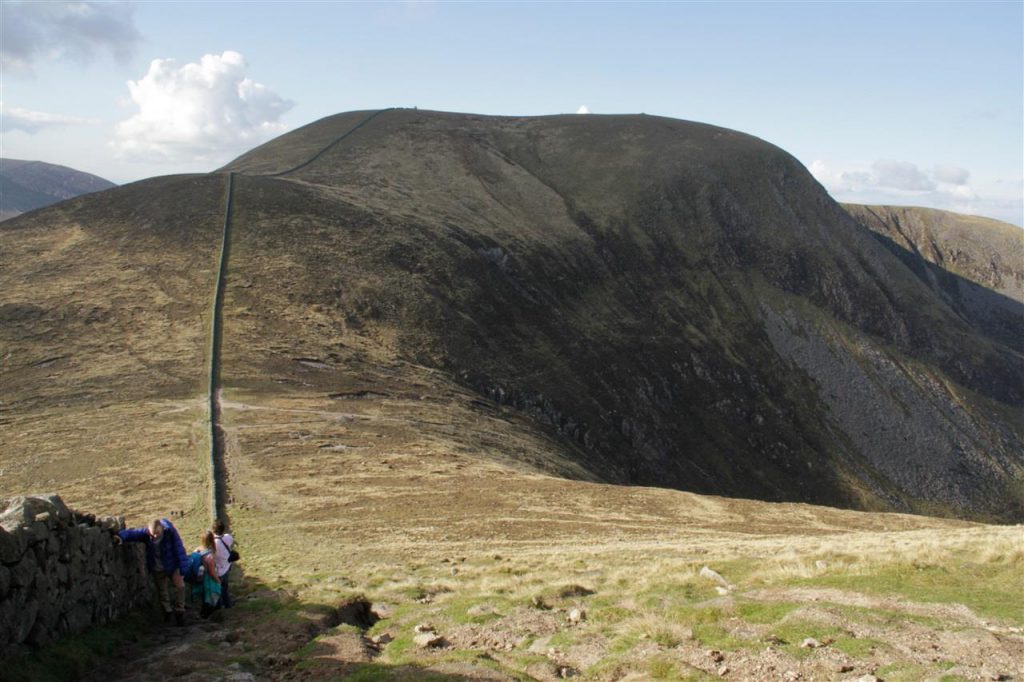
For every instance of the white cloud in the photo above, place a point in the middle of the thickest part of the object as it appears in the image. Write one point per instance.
(900, 175)
(30, 31)
(952, 175)
(885, 175)
(202, 111)
(903, 183)
(28, 121)
(583, 110)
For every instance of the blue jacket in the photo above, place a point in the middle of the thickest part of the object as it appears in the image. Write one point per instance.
(172, 551)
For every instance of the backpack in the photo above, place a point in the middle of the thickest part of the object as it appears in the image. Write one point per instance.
(196, 571)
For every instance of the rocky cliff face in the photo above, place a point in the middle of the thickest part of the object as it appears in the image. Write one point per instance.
(678, 304)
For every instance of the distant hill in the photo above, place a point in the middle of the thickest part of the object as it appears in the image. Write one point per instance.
(976, 265)
(28, 185)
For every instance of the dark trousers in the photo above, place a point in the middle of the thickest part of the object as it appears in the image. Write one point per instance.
(167, 591)
(225, 592)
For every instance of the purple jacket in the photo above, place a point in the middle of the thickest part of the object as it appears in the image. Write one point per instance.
(172, 551)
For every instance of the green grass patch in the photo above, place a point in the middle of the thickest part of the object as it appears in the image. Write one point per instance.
(904, 672)
(795, 632)
(476, 609)
(666, 595)
(662, 669)
(376, 672)
(399, 649)
(603, 613)
(695, 615)
(885, 617)
(764, 612)
(623, 644)
(990, 589)
(857, 647)
(715, 636)
(562, 638)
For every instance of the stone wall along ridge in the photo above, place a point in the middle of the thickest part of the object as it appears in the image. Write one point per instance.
(60, 572)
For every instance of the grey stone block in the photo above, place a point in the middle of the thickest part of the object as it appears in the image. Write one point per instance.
(23, 572)
(39, 635)
(24, 621)
(12, 546)
(63, 515)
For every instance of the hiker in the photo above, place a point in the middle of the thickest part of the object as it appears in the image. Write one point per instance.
(208, 586)
(226, 555)
(165, 561)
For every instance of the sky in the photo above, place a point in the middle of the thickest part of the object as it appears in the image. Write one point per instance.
(908, 103)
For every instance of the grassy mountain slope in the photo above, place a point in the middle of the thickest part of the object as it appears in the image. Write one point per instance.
(976, 265)
(28, 185)
(657, 302)
(449, 342)
(641, 286)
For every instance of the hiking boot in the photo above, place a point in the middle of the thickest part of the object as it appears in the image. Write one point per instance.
(179, 618)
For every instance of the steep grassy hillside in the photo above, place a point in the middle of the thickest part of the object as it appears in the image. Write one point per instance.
(646, 288)
(463, 358)
(656, 302)
(975, 265)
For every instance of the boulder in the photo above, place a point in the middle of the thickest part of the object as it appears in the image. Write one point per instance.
(23, 510)
(429, 640)
(59, 510)
(711, 574)
(111, 524)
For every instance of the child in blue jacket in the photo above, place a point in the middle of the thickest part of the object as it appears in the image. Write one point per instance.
(166, 561)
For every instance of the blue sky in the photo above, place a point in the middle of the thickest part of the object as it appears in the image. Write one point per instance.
(885, 102)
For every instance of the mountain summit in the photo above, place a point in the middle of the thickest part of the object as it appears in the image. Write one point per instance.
(662, 302)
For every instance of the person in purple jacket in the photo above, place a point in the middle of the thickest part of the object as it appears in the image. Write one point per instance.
(166, 561)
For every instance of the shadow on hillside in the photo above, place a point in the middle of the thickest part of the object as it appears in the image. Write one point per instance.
(998, 317)
(383, 671)
(269, 634)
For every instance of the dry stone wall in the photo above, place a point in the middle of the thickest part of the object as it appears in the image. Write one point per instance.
(60, 572)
